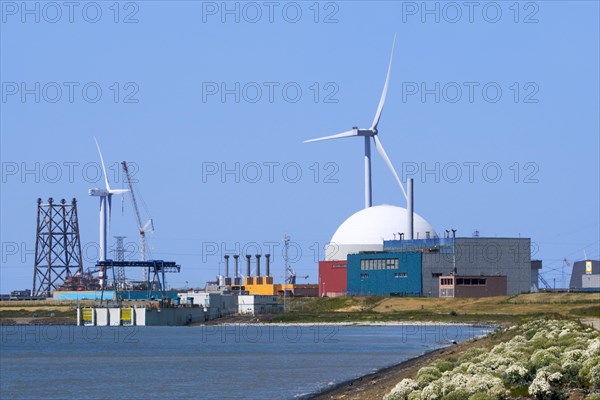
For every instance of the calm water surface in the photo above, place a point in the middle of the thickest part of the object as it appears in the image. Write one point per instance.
(225, 362)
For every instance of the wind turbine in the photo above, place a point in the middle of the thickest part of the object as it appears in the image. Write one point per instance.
(368, 134)
(105, 206)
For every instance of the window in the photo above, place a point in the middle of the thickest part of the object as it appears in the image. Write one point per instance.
(436, 274)
(446, 281)
(400, 275)
(364, 276)
(379, 264)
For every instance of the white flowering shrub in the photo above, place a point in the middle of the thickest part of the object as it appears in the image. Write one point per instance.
(541, 358)
(594, 376)
(402, 390)
(545, 356)
(516, 374)
(593, 349)
(586, 368)
(540, 388)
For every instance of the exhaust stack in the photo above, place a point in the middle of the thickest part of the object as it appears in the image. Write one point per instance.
(235, 265)
(410, 209)
(248, 265)
(258, 265)
(226, 266)
(268, 266)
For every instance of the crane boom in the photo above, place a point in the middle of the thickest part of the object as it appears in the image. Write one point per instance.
(141, 227)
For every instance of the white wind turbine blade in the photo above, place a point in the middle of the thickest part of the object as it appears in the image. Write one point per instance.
(385, 88)
(337, 136)
(103, 167)
(118, 191)
(385, 157)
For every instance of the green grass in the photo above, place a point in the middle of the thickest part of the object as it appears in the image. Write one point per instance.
(26, 313)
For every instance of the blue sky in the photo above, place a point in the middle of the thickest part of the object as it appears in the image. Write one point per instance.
(499, 88)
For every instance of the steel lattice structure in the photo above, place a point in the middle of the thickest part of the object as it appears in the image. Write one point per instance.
(57, 246)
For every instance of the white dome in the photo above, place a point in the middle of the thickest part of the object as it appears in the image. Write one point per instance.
(367, 229)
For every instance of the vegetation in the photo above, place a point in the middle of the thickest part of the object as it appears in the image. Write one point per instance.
(541, 359)
(513, 309)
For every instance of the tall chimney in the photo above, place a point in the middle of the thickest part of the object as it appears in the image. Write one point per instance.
(410, 209)
(248, 264)
(258, 265)
(235, 267)
(226, 266)
(268, 267)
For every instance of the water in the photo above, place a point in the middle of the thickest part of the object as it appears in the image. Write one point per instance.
(223, 362)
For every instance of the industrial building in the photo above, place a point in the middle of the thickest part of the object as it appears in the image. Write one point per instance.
(585, 275)
(259, 284)
(370, 255)
(472, 286)
(333, 277)
(384, 274)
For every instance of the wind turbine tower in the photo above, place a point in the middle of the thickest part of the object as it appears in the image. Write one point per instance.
(369, 133)
(105, 207)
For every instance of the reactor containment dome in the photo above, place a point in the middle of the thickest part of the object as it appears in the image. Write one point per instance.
(368, 228)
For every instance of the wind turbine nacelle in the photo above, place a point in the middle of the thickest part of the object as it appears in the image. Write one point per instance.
(98, 192)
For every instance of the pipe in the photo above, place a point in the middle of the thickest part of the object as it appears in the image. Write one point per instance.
(226, 266)
(235, 267)
(268, 266)
(410, 209)
(248, 264)
(258, 265)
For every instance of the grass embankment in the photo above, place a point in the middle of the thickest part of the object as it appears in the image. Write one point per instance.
(500, 310)
(39, 311)
(511, 309)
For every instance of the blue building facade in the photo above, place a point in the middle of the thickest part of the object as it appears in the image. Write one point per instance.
(385, 274)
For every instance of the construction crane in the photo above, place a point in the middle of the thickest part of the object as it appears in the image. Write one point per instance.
(142, 228)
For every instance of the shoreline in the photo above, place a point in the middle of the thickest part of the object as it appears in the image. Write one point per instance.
(375, 385)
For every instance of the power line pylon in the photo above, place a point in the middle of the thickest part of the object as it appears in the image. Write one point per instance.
(57, 246)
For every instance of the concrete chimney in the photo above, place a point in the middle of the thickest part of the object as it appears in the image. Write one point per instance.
(226, 266)
(410, 209)
(236, 265)
(268, 266)
(258, 265)
(248, 264)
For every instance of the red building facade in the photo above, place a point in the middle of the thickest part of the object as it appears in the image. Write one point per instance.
(333, 277)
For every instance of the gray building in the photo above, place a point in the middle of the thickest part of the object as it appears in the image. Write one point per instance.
(476, 256)
(581, 268)
(536, 265)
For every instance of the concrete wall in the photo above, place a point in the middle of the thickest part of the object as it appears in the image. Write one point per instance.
(405, 279)
(174, 316)
(256, 304)
(114, 316)
(482, 256)
(101, 316)
(590, 281)
(140, 316)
